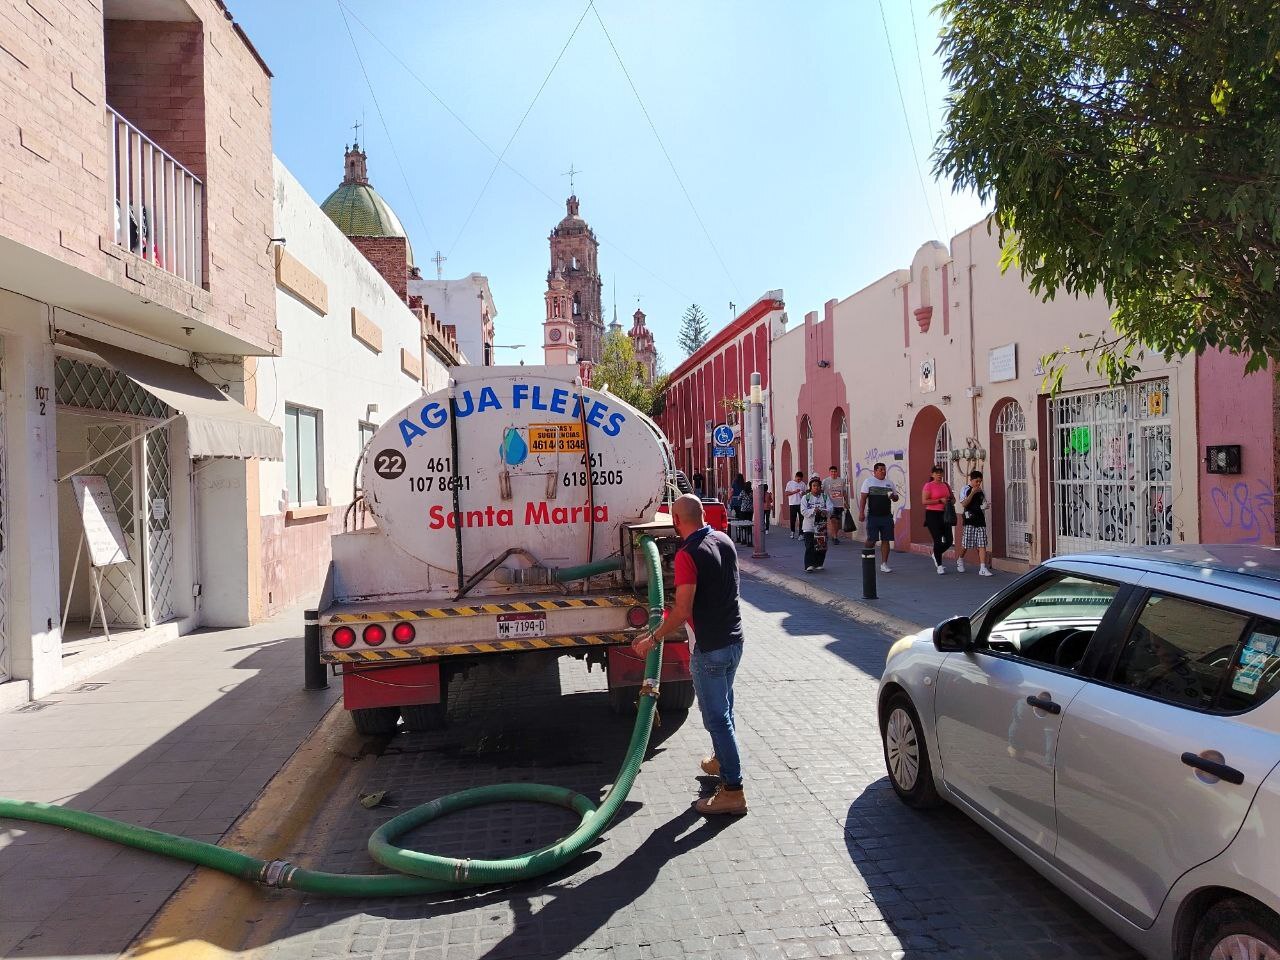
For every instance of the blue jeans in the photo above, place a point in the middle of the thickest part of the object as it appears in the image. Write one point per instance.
(713, 674)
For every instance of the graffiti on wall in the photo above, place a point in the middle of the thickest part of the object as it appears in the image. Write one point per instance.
(1246, 510)
(895, 471)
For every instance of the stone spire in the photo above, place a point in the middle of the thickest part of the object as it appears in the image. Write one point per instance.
(356, 169)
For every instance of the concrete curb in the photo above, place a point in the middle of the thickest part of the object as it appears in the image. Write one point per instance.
(212, 916)
(853, 609)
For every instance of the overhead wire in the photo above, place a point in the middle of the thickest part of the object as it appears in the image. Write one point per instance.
(671, 163)
(385, 127)
(924, 92)
(501, 159)
(514, 133)
(915, 155)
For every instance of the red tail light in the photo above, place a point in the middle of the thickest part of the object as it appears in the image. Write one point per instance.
(403, 633)
(344, 637)
(637, 616)
(374, 634)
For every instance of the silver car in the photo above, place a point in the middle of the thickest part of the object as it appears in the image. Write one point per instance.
(1110, 718)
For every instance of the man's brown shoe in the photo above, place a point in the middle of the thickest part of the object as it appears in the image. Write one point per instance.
(731, 802)
(711, 767)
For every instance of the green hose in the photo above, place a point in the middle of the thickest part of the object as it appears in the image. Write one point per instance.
(565, 574)
(418, 872)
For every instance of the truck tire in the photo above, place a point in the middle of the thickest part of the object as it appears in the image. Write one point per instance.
(676, 696)
(375, 721)
(422, 717)
(623, 700)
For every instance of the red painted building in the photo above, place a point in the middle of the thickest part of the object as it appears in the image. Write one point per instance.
(705, 388)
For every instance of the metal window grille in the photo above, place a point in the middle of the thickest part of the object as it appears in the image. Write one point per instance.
(1112, 462)
(1011, 426)
(140, 478)
(942, 451)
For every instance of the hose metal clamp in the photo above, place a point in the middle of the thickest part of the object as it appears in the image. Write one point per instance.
(461, 869)
(276, 873)
(650, 688)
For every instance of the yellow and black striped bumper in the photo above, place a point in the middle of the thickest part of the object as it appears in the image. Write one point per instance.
(486, 609)
(406, 654)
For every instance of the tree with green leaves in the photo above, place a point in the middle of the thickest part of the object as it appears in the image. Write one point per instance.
(621, 372)
(694, 329)
(1130, 147)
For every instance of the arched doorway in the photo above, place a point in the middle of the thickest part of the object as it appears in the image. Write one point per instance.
(1010, 485)
(786, 464)
(807, 466)
(840, 442)
(929, 437)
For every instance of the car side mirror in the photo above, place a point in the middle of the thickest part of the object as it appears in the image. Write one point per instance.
(953, 635)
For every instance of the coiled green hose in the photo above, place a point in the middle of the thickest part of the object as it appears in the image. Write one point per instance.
(418, 872)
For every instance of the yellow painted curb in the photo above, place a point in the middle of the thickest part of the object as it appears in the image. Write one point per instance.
(213, 916)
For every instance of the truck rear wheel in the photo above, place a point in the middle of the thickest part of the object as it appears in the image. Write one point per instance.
(375, 721)
(422, 717)
(676, 695)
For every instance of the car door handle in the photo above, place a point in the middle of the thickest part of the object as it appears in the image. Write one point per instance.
(1213, 768)
(1045, 704)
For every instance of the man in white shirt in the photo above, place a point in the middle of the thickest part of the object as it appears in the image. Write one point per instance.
(794, 491)
(879, 495)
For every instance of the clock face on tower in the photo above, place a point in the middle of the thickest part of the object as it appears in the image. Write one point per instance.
(555, 334)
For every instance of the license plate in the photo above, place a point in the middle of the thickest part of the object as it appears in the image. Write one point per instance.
(517, 626)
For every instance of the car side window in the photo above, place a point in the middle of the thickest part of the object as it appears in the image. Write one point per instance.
(1053, 622)
(1255, 669)
(1181, 651)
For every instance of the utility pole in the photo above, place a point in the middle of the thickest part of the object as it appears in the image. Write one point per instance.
(756, 467)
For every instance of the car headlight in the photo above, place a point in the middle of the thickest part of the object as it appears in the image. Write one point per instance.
(899, 646)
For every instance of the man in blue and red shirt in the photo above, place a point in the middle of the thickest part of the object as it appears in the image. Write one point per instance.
(706, 578)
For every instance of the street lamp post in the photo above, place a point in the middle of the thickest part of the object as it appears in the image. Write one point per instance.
(756, 424)
(490, 347)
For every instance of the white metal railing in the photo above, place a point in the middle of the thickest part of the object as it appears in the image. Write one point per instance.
(158, 203)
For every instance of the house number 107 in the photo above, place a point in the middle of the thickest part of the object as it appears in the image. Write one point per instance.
(42, 398)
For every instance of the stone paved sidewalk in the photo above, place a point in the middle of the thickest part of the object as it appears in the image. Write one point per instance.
(913, 592)
(183, 739)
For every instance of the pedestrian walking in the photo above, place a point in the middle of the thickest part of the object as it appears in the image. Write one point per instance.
(706, 581)
(794, 490)
(875, 511)
(744, 503)
(766, 497)
(936, 496)
(815, 509)
(837, 491)
(973, 502)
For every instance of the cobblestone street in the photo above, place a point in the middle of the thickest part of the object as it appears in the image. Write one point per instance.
(828, 862)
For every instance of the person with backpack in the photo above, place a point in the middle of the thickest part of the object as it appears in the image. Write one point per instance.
(939, 508)
(973, 501)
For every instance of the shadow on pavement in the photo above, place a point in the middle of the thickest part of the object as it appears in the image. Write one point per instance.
(181, 739)
(944, 887)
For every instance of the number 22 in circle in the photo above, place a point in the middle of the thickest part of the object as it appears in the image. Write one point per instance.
(389, 464)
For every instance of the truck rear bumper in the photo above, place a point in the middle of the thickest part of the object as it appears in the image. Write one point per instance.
(627, 670)
(414, 654)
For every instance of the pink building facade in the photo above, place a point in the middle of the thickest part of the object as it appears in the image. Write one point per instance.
(710, 385)
(941, 362)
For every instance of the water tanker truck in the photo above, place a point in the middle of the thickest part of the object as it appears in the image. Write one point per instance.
(504, 519)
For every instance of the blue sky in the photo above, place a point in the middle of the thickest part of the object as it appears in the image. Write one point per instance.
(782, 120)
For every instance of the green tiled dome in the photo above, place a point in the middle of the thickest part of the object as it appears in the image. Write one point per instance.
(358, 210)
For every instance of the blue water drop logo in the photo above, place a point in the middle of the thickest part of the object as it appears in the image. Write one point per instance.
(514, 450)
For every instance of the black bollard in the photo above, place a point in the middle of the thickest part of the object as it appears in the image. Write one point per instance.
(869, 573)
(314, 673)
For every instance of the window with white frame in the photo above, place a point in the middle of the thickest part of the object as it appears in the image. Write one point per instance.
(303, 454)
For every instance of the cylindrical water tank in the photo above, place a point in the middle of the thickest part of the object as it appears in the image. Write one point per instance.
(541, 463)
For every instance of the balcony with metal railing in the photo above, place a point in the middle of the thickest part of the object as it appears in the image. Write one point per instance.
(159, 203)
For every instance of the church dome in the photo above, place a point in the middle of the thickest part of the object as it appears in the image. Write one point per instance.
(357, 209)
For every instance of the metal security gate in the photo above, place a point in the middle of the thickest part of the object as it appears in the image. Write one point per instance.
(1011, 425)
(140, 478)
(1112, 467)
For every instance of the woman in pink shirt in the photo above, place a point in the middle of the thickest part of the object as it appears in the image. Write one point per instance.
(935, 496)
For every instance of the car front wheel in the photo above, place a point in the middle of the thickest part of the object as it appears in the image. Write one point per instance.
(906, 756)
(1237, 929)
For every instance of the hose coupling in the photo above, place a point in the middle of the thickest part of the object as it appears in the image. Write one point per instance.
(461, 869)
(277, 873)
(650, 688)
